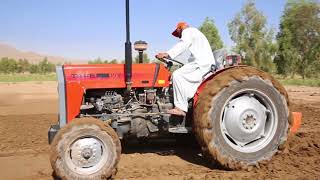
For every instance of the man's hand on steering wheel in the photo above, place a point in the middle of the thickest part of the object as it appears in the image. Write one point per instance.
(161, 56)
(164, 57)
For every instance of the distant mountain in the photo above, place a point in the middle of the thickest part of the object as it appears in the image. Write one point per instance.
(32, 57)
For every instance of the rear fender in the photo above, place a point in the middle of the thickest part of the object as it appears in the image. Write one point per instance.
(204, 83)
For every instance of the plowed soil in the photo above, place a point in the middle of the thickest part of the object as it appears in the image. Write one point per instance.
(28, 109)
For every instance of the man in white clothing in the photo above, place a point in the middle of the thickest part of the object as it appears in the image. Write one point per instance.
(187, 79)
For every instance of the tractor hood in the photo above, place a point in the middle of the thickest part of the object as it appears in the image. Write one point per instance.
(113, 75)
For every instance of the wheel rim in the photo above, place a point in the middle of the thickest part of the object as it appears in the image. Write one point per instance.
(87, 155)
(248, 120)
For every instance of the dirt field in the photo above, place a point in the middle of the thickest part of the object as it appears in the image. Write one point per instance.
(27, 110)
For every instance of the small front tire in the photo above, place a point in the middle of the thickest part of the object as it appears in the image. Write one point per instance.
(86, 148)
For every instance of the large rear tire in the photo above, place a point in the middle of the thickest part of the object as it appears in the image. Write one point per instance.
(241, 118)
(86, 148)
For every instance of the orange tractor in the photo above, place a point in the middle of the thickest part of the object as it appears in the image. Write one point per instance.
(239, 115)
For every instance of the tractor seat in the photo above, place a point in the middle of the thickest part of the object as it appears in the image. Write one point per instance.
(219, 56)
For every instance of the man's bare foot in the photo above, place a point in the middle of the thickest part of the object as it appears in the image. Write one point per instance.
(176, 111)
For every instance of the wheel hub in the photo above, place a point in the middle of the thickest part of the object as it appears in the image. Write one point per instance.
(86, 152)
(249, 122)
(244, 120)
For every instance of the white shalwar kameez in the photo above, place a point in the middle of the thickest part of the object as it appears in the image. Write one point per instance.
(188, 78)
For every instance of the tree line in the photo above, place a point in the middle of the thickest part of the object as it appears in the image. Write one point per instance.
(10, 65)
(294, 50)
(146, 59)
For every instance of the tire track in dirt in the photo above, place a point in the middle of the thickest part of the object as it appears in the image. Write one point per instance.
(25, 132)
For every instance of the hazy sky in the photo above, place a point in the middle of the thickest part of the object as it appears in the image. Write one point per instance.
(87, 29)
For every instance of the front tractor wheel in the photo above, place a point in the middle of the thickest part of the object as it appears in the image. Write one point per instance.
(242, 117)
(86, 148)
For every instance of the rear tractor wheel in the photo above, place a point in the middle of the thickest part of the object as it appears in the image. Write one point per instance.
(241, 118)
(86, 148)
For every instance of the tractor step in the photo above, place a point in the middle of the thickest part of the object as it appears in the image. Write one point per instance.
(180, 130)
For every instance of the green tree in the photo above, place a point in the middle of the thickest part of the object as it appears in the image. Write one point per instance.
(146, 59)
(8, 65)
(98, 61)
(23, 66)
(113, 61)
(253, 39)
(209, 29)
(34, 68)
(45, 66)
(299, 39)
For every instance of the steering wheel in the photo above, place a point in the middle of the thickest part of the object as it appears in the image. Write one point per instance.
(173, 60)
(169, 61)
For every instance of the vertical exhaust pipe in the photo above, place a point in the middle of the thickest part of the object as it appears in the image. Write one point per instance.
(128, 50)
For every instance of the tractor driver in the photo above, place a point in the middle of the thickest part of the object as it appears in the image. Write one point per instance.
(188, 78)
